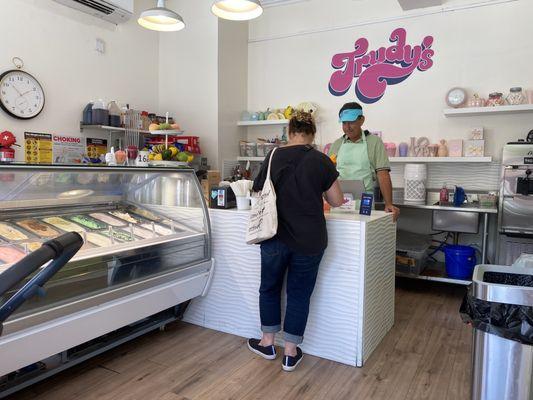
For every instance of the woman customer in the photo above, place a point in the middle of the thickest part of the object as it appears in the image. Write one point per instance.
(302, 178)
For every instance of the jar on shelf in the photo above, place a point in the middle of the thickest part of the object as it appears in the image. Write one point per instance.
(516, 96)
(476, 101)
(251, 149)
(495, 99)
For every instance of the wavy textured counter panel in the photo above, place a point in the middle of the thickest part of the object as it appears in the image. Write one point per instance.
(379, 284)
(337, 314)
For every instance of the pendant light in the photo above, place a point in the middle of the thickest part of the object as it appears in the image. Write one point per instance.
(161, 19)
(237, 10)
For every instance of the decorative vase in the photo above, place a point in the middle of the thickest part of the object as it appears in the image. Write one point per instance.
(443, 149)
(403, 149)
(412, 150)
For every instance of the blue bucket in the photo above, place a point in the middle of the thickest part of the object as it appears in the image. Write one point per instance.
(460, 261)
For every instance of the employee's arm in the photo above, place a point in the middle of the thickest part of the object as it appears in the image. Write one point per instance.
(334, 195)
(385, 185)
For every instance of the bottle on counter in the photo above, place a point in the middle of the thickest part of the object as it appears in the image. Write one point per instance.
(87, 116)
(123, 112)
(115, 113)
(99, 113)
(444, 195)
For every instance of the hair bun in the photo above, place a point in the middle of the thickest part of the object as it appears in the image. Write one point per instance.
(302, 116)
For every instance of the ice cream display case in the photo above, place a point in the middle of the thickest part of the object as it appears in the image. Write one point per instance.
(146, 248)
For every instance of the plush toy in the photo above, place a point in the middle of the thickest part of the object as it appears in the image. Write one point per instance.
(308, 107)
(7, 139)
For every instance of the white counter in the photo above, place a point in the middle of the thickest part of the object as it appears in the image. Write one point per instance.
(352, 307)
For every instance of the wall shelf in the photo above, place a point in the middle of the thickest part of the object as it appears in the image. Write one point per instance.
(251, 159)
(436, 160)
(473, 111)
(115, 129)
(263, 123)
(434, 272)
(107, 128)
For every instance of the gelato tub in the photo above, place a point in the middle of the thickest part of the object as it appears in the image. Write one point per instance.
(38, 228)
(108, 219)
(9, 254)
(88, 222)
(124, 216)
(63, 224)
(10, 233)
(159, 229)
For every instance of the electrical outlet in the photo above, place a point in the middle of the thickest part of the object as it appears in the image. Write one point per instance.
(100, 46)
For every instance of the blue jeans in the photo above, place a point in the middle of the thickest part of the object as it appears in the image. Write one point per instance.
(276, 259)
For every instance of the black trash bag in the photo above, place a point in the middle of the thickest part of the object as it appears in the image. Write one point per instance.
(508, 279)
(508, 321)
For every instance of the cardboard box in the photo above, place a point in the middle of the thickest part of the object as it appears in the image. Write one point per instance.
(474, 148)
(213, 177)
(205, 189)
(477, 133)
(455, 148)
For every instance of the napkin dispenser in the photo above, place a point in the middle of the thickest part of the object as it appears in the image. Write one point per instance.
(222, 197)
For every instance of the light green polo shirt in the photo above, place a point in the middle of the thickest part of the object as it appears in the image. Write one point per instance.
(376, 151)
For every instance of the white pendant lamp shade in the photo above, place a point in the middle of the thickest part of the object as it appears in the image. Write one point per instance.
(237, 10)
(161, 19)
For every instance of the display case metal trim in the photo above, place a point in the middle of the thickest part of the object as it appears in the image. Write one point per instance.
(69, 308)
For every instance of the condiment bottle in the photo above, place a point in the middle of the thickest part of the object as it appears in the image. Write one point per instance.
(100, 115)
(114, 114)
(87, 117)
(443, 195)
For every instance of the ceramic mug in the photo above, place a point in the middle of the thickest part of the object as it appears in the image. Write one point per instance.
(403, 149)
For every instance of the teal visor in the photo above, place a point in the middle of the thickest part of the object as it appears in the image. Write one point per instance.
(350, 115)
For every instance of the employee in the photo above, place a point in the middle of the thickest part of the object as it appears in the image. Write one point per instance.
(361, 156)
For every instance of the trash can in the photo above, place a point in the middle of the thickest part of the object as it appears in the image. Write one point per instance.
(499, 306)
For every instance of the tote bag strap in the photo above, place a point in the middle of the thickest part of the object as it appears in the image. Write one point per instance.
(269, 165)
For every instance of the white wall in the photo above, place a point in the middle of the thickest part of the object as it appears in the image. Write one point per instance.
(57, 46)
(483, 49)
(232, 85)
(188, 71)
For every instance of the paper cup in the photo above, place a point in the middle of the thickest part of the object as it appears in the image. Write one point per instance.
(243, 202)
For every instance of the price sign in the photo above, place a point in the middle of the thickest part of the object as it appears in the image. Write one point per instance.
(142, 159)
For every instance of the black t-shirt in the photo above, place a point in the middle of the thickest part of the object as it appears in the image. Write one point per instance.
(300, 175)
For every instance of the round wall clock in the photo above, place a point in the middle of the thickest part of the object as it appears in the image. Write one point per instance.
(456, 97)
(21, 95)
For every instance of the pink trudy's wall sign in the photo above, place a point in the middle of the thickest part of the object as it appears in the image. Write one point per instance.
(374, 70)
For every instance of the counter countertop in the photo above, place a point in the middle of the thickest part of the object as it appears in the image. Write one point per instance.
(468, 207)
(330, 216)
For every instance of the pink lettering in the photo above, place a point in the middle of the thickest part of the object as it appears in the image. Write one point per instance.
(376, 69)
(342, 80)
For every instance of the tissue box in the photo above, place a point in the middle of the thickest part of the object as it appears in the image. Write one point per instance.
(455, 148)
(477, 133)
(474, 148)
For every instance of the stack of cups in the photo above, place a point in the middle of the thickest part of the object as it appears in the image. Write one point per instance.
(415, 177)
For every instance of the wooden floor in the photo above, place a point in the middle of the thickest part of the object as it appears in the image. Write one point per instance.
(425, 356)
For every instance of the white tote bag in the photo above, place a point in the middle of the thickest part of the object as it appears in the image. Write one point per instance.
(263, 223)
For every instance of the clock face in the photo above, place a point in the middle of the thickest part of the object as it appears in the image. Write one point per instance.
(456, 97)
(21, 95)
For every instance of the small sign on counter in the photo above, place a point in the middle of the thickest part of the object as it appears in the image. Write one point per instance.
(96, 148)
(68, 149)
(37, 148)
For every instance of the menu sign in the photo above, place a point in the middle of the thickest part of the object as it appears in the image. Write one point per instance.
(38, 148)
